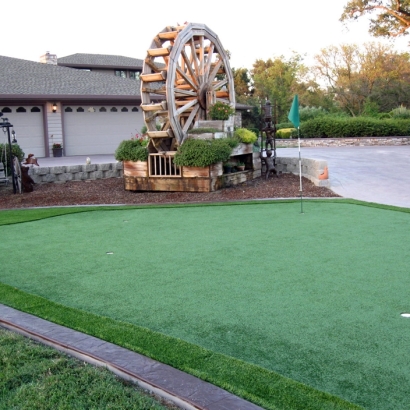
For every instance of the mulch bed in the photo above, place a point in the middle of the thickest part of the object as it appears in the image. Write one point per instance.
(111, 191)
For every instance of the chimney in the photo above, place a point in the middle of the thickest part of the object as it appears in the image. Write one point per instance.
(48, 58)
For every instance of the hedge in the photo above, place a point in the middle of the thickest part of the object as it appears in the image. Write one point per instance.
(354, 127)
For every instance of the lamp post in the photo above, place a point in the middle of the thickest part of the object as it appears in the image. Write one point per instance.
(6, 126)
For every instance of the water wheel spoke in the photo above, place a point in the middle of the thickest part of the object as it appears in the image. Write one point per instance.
(219, 84)
(187, 79)
(185, 107)
(188, 64)
(194, 56)
(190, 119)
(208, 61)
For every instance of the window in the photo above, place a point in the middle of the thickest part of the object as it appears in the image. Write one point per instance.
(121, 73)
(135, 109)
(124, 109)
(35, 109)
(113, 109)
(68, 109)
(80, 109)
(135, 75)
(21, 109)
(91, 109)
(103, 109)
(6, 109)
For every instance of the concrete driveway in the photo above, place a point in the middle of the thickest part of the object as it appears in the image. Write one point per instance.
(374, 174)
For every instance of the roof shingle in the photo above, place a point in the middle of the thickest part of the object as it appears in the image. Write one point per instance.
(28, 78)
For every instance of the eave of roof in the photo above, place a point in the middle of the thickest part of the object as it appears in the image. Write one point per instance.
(30, 80)
(100, 61)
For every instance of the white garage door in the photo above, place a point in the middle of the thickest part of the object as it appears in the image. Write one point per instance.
(28, 123)
(91, 130)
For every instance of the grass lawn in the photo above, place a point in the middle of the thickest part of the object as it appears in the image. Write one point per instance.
(288, 310)
(37, 377)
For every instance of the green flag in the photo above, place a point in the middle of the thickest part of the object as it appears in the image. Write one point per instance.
(294, 112)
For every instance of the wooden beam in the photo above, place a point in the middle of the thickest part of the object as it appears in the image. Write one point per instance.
(162, 106)
(160, 91)
(161, 134)
(187, 78)
(186, 106)
(168, 35)
(222, 94)
(159, 52)
(153, 66)
(149, 78)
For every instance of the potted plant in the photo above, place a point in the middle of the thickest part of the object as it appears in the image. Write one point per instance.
(240, 166)
(221, 111)
(228, 166)
(57, 149)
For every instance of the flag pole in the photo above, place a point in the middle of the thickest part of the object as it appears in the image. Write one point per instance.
(300, 174)
(295, 120)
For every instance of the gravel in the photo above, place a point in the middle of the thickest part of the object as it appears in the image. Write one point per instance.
(111, 191)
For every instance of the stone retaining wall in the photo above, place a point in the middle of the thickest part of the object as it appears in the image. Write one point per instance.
(311, 169)
(342, 142)
(75, 172)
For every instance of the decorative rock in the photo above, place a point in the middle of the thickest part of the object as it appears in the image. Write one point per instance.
(74, 168)
(50, 178)
(95, 175)
(41, 171)
(89, 168)
(57, 170)
(103, 167)
(67, 176)
(79, 176)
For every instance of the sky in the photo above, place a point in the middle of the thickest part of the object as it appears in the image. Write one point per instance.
(31, 28)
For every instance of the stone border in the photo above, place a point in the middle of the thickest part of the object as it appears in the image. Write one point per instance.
(76, 172)
(342, 142)
(311, 169)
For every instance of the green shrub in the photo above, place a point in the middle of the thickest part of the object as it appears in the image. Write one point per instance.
(144, 128)
(246, 136)
(134, 149)
(400, 113)
(308, 113)
(221, 111)
(338, 127)
(15, 149)
(255, 130)
(285, 133)
(201, 153)
(284, 125)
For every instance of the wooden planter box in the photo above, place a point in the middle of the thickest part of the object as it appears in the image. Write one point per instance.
(135, 169)
(204, 172)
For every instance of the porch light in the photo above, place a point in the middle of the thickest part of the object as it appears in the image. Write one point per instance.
(54, 108)
(14, 140)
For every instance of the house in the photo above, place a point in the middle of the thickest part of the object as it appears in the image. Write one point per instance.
(72, 101)
(87, 102)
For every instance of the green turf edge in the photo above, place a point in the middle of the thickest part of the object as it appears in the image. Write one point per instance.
(256, 384)
(14, 216)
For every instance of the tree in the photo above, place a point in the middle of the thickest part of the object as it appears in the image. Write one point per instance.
(276, 80)
(243, 84)
(374, 75)
(392, 16)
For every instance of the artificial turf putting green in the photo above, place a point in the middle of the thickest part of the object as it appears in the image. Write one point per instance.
(315, 297)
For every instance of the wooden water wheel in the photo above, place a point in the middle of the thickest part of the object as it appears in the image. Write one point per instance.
(185, 71)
